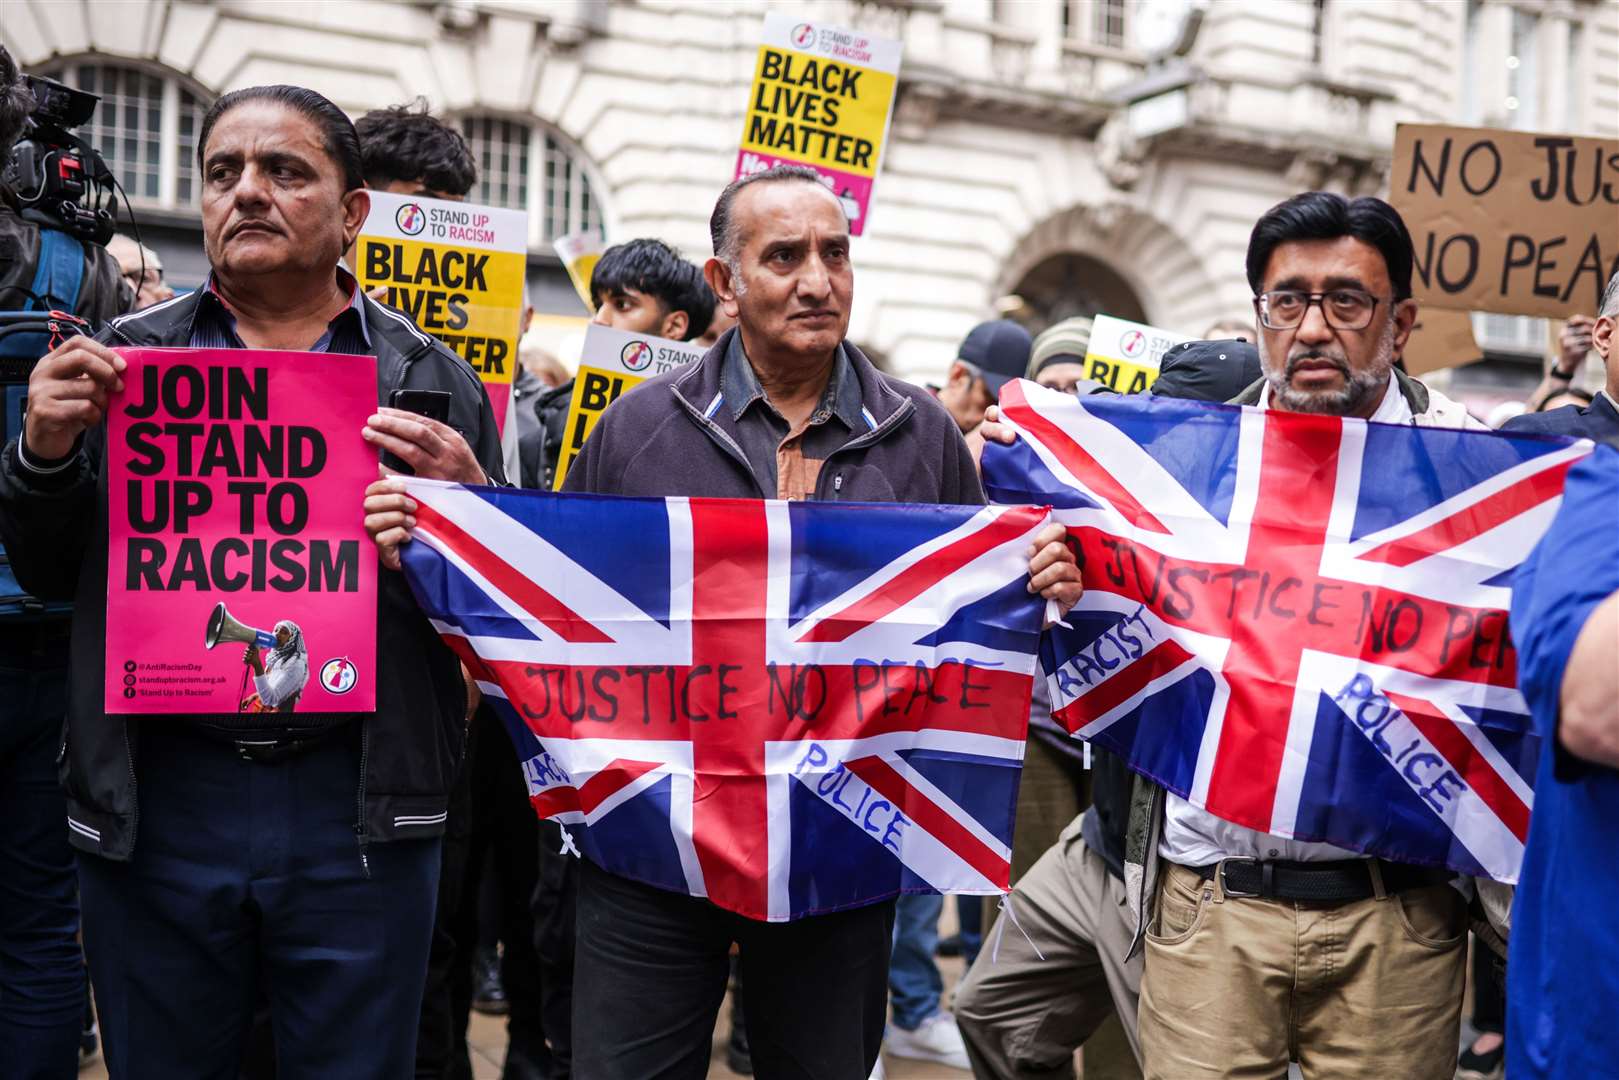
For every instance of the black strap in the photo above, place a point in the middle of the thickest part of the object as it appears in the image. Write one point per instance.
(1340, 881)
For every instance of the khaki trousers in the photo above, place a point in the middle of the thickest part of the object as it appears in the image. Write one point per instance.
(1023, 1016)
(1234, 987)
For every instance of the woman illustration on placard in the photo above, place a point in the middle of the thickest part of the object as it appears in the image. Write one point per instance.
(279, 681)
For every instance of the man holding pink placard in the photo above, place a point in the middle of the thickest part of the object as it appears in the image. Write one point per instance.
(215, 465)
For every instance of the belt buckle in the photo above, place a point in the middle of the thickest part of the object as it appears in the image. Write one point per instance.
(1225, 884)
(255, 750)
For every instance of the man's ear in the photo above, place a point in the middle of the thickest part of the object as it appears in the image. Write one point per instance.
(959, 374)
(718, 276)
(356, 205)
(1405, 320)
(674, 326)
(1602, 337)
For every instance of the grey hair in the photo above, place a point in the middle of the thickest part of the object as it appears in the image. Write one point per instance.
(1610, 297)
(16, 101)
(723, 230)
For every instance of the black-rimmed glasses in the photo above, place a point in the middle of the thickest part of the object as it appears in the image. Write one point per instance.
(1344, 309)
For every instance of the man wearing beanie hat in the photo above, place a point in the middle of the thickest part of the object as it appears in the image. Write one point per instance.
(992, 355)
(1058, 357)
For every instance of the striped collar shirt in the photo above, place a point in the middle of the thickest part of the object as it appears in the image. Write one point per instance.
(214, 326)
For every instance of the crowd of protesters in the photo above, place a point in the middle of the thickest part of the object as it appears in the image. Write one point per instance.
(324, 899)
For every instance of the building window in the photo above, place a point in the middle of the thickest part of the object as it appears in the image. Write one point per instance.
(525, 167)
(145, 127)
(1096, 22)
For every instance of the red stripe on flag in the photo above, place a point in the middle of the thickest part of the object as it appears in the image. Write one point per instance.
(1480, 517)
(1015, 406)
(885, 781)
(1103, 698)
(1463, 756)
(553, 801)
(559, 617)
(618, 775)
(917, 579)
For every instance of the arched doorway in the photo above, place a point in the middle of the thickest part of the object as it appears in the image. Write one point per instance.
(1066, 285)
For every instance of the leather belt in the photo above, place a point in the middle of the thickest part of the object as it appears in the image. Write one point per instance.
(1336, 882)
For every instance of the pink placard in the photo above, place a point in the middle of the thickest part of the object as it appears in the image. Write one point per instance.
(234, 487)
(852, 189)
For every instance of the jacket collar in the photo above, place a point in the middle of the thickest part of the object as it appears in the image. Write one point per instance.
(700, 387)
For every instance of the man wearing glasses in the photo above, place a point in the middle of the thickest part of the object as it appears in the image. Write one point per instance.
(140, 266)
(1258, 947)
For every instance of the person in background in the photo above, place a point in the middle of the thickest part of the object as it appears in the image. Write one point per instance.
(641, 286)
(1574, 343)
(1230, 329)
(720, 323)
(1600, 419)
(43, 995)
(140, 266)
(1207, 370)
(991, 355)
(1057, 356)
(406, 150)
(1563, 959)
(543, 364)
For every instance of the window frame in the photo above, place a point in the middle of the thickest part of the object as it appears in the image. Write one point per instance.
(169, 165)
(546, 146)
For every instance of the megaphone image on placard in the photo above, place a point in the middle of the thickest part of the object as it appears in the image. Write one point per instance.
(221, 627)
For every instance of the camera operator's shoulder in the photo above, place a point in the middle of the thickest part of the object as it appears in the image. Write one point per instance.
(167, 324)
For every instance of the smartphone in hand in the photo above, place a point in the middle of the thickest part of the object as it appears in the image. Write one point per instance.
(433, 404)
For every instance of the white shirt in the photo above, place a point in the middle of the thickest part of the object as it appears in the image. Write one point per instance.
(1194, 837)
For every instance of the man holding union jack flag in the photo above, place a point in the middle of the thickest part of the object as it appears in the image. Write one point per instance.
(1225, 555)
(780, 408)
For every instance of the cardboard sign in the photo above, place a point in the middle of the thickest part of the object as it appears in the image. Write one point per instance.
(1441, 339)
(821, 96)
(1508, 221)
(580, 252)
(457, 270)
(234, 480)
(1125, 355)
(613, 362)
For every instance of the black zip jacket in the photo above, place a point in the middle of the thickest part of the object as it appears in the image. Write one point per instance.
(55, 529)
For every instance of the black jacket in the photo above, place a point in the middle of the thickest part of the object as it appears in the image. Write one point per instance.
(656, 441)
(1598, 421)
(55, 528)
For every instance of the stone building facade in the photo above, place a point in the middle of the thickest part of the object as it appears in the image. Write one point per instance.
(1050, 156)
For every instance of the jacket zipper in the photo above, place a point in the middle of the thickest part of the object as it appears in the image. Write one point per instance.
(359, 821)
(134, 796)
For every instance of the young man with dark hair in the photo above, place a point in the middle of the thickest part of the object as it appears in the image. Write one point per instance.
(406, 150)
(642, 286)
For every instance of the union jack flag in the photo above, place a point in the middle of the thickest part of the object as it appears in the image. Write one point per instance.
(787, 708)
(1297, 622)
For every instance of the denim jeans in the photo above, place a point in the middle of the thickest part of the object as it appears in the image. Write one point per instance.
(41, 969)
(914, 983)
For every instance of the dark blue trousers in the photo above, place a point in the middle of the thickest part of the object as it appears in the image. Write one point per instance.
(41, 970)
(247, 872)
